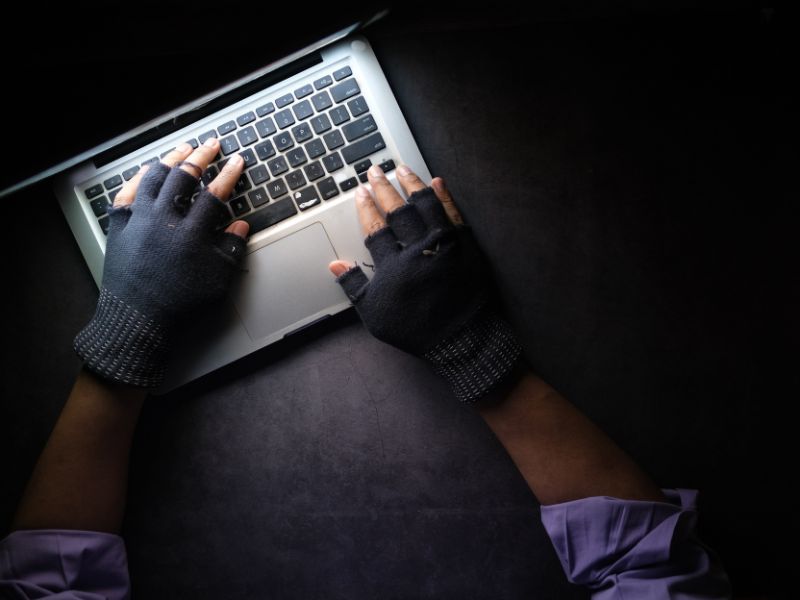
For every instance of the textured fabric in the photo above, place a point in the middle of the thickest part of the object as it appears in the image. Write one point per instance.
(165, 258)
(479, 355)
(624, 549)
(431, 283)
(63, 564)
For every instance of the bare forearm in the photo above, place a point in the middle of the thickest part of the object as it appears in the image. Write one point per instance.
(80, 480)
(561, 453)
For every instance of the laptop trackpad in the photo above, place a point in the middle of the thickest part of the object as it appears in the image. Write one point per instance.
(287, 282)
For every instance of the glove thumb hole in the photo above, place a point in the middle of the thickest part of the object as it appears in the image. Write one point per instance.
(352, 279)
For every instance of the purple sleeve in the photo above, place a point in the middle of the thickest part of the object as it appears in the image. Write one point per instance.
(63, 564)
(635, 549)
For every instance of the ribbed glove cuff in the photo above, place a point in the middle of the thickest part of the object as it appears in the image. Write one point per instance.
(122, 345)
(477, 357)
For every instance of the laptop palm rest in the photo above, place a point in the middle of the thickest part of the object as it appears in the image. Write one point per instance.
(268, 300)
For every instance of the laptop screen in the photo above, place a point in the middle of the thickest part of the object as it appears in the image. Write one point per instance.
(89, 81)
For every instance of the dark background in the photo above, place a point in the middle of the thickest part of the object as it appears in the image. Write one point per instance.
(629, 169)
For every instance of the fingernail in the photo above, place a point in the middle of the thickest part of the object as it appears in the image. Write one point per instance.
(403, 170)
(210, 142)
(362, 191)
(184, 147)
(376, 172)
(236, 159)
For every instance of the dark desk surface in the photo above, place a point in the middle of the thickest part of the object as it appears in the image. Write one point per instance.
(627, 178)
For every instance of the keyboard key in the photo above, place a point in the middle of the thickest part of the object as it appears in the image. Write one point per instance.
(265, 150)
(266, 127)
(207, 135)
(208, 175)
(113, 194)
(258, 197)
(320, 123)
(246, 118)
(314, 170)
(387, 165)
(193, 143)
(278, 166)
(315, 148)
(150, 161)
(333, 162)
(128, 173)
(242, 185)
(333, 139)
(348, 184)
(364, 147)
(296, 157)
(93, 191)
(113, 182)
(226, 127)
(259, 174)
(248, 135)
(249, 158)
(347, 89)
(359, 128)
(321, 101)
(284, 118)
(104, 224)
(339, 115)
(228, 145)
(358, 106)
(304, 91)
(327, 188)
(283, 141)
(302, 132)
(265, 109)
(306, 198)
(362, 165)
(276, 188)
(362, 177)
(295, 179)
(303, 110)
(239, 206)
(99, 206)
(270, 215)
(284, 100)
(165, 152)
(323, 82)
(221, 164)
(342, 73)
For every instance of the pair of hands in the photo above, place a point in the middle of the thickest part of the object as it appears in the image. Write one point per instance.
(167, 256)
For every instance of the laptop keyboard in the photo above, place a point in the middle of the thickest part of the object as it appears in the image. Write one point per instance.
(294, 147)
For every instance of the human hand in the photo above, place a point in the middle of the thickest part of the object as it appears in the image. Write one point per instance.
(165, 257)
(430, 292)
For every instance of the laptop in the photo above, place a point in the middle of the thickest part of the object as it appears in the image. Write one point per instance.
(308, 126)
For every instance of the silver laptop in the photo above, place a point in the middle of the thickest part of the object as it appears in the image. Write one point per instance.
(307, 141)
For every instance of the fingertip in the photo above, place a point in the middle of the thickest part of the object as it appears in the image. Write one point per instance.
(438, 184)
(339, 267)
(240, 228)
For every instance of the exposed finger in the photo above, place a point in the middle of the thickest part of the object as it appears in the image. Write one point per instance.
(223, 184)
(198, 161)
(371, 220)
(443, 194)
(177, 155)
(386, 196)
(340, 267)
(409, 180)
(127, 194)
(240, 228)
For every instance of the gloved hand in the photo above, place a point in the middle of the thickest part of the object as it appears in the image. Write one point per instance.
(165, 257)
(430, 292)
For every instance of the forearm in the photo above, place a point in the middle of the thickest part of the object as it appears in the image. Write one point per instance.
(80, 480)
(561, 454)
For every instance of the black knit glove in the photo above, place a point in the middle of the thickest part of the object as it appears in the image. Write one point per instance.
(165, 257)
(429, 297)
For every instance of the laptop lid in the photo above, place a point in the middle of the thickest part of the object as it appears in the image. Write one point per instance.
(96, 89)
